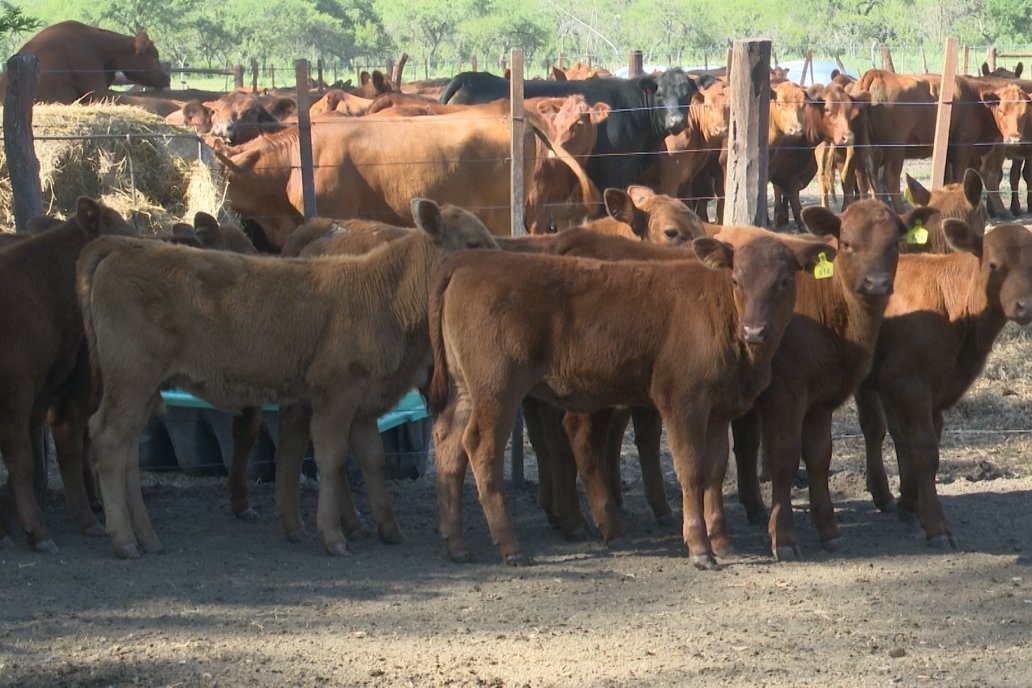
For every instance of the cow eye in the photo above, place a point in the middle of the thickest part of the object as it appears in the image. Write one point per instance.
(670, 233)
(993, 266)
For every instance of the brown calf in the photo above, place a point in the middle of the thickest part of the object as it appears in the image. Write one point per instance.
(959, 201)
(939, 328)
(345, 335)
(693, 340)
(44, 364)
(825, 354)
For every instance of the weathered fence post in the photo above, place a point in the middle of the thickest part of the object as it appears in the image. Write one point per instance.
(254, 75)
(23, 166)
(304, 126)
(990, 58)
(944, 113)
(635, 64)
(924, 61)
(807, 65)
(238, 76)
(320, 82)
(967, 50)
(399, 67)
(745, 189)
(886, 59)
(517, 227)
(473, 63)
(272, 75)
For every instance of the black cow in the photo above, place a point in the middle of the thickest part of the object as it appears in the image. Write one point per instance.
(643, 112)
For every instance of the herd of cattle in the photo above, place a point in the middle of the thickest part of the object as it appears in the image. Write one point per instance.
(649, 314)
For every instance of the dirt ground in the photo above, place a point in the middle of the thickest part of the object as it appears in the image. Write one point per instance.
(233, 604)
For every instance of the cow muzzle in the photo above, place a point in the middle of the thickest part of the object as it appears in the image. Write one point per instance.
(875, 285)
(1021, 312)
(755, 333)
(675, 124)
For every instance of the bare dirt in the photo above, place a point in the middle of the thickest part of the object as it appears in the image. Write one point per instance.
(233, 604)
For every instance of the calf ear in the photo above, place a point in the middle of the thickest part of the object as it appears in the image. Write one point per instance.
(714, 254)
(920, 194)
(703, 81)
(281, 108)
(648, 85)
(821, 221)
(991, 99)
(428, 218)
(985, 69)
(364, 78)
(919, 217)
(619, 205)
(208, 231)
(973, 186)
(599, 112)
(181, 230)
(1020, 67)
(639, 193)
(808, 253)
(88, 213)
(962, 237)
(558, 74)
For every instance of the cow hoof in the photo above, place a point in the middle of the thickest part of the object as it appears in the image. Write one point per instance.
(944, 542)
(788, 553)
(47, 546)
(154, 548)
(724, 551)
(833, 545)
(463, 556)
(130, 551)
(518, 559)
(297, 536)
(667, 521)
(391, 536)
(619, 544)
(339, 549)
(577, 535)
(759, 518)
(887, 507)
(249, 515)
(96, 530)
(6, 542)
(704, 562)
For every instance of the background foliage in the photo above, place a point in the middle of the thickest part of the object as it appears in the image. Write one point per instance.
(441, 35)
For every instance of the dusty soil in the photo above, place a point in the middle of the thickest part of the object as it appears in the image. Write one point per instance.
(233, 604)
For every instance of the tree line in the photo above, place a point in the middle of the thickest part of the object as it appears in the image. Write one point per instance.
(445, 33)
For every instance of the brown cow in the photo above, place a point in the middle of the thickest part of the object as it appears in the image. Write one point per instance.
(825, 354)
(939, 328)
(1003, 72)
(44, 364)
(339, 100)
(959, 201)
(372, 167)
(236, 117)
(262, 330)
(693, 340)
(79, 62)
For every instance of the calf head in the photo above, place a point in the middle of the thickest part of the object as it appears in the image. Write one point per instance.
(193, 114)
(763, 279)
(141, 64)
(959, 200)
(211, 235)
(787, 107)
(1002, 72)
(575, 125)
(1011, 111)
(451, 227)
(653, 217)
(869, 235)
(839, 111)
(673, 90)
(241, 117)
(1005, 257)
(99, 220)
(712, 111)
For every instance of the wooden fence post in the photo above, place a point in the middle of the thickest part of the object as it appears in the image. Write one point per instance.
(320, 83)
(238, 76)
(807, 65)
(399, 67)
(517, 227)
(886, 59)
(944, 113)
(745, 190)
(635, 64)
(924, 61)
(272, 75)
(473, 63)
(304, 126)
(967, 50)
(254, 75)
(990, 58)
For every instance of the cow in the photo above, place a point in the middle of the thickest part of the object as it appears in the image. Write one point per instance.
(44, 364)
(78, 62)
(642, 113)
(825, 354)
(339, 100)
(1003, 72)
(262, 330)
(938, 330)
(236, 117)
(373, 85)
(692, 339)
(959, 201)
(372, 167)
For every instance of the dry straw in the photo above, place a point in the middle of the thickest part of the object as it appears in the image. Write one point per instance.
(152, 172)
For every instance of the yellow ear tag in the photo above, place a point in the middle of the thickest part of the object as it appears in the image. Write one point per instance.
(909, 196)
(824, 268)
(917, 234)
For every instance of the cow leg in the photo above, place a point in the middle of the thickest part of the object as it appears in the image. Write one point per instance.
(780, 210)
(822, 153)
(331, 454)
(716, 520)
(292, 440)
(893, 169)
(1015, 184)
(539, 442)
(451, 461)
(873, 425)
(746, 431)
(648, 436)
(484, 440)
(145, 534)
(797, 209)
(69, 432)
(589, 438)
(782, 420)
(16, 449)
(557, 473)
(367, 446)
(816, 451)
(687, 432)
(1027, 176)
(246, 426)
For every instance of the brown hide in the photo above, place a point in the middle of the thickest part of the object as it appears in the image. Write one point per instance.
(673, 335)
(641, 213)
(825, 354)
(704, 135)
(344, 335)
(78, 62)
(959, 200)
(339, 100)
(235, 117)
(939, 328)
(44, 364)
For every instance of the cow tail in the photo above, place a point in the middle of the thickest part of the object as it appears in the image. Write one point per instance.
(89, 261)
(592, 198)
(439, 375)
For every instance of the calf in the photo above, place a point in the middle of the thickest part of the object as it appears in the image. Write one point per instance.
(959, 201)
(694, 340)
(43, 361)
(939, 328)
(825, 354)
(345, 335)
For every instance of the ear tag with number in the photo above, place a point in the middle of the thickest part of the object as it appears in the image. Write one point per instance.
(917, 234)
(824, 268)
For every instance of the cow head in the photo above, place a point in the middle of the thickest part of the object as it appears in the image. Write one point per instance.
(712, 110)
(960, 200)
(653, 217)
(1003, 73)
(869, 236)
(1011, 111)
(575, 125)
(839, 111)
(140, 63)
(787, 108)
(451, 227)
(763, 278)
(96, 219)
(211, 235)
(241, 117)
(1005, 257)
(673, 91)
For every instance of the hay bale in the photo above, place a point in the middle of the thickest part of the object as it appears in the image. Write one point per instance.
(152, 172)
